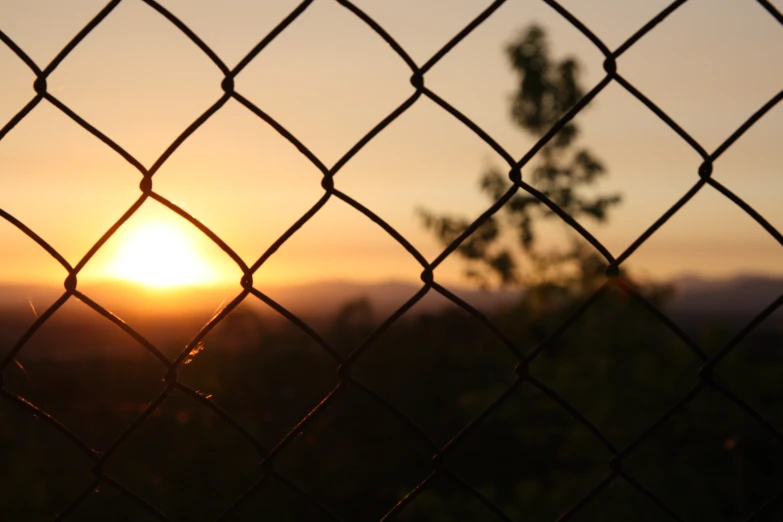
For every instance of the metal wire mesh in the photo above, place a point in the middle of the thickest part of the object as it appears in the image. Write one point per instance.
(615, 470)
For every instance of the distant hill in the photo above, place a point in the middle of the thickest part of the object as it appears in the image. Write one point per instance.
(171, 318)
(737, 295)
(693, 295)
(320, 299)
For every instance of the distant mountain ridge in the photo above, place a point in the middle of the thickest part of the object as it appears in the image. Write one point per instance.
(177, 315)
(739, 294)
(693, 294)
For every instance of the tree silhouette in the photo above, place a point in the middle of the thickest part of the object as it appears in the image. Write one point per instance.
(546, 89)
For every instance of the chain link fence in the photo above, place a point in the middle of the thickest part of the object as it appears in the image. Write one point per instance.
(614, 468)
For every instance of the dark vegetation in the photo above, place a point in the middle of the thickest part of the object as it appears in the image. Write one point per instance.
(617, 365)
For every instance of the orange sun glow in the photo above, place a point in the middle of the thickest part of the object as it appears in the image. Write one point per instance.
(161, 255)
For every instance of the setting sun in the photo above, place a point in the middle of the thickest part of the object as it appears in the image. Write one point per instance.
(160, 254)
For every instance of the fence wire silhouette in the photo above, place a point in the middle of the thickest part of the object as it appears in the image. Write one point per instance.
(615, 470)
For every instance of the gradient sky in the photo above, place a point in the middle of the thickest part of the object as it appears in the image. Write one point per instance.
(329, 79)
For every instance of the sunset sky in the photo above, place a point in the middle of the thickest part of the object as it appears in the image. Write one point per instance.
(329, 79)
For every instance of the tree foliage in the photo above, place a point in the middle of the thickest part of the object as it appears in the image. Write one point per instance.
(563, 171)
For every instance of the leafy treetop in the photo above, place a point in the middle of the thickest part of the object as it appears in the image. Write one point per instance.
(546, 90)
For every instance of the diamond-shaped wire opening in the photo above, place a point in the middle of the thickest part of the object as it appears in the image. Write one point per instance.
(339, 91)
(470, 373)
(113, 60)
(246, 368)
(477, 79)
(450, 156)
(644, 163)
(235, 174)
(355, 457)
(529, 456)
(184, 447)
(618, 365)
